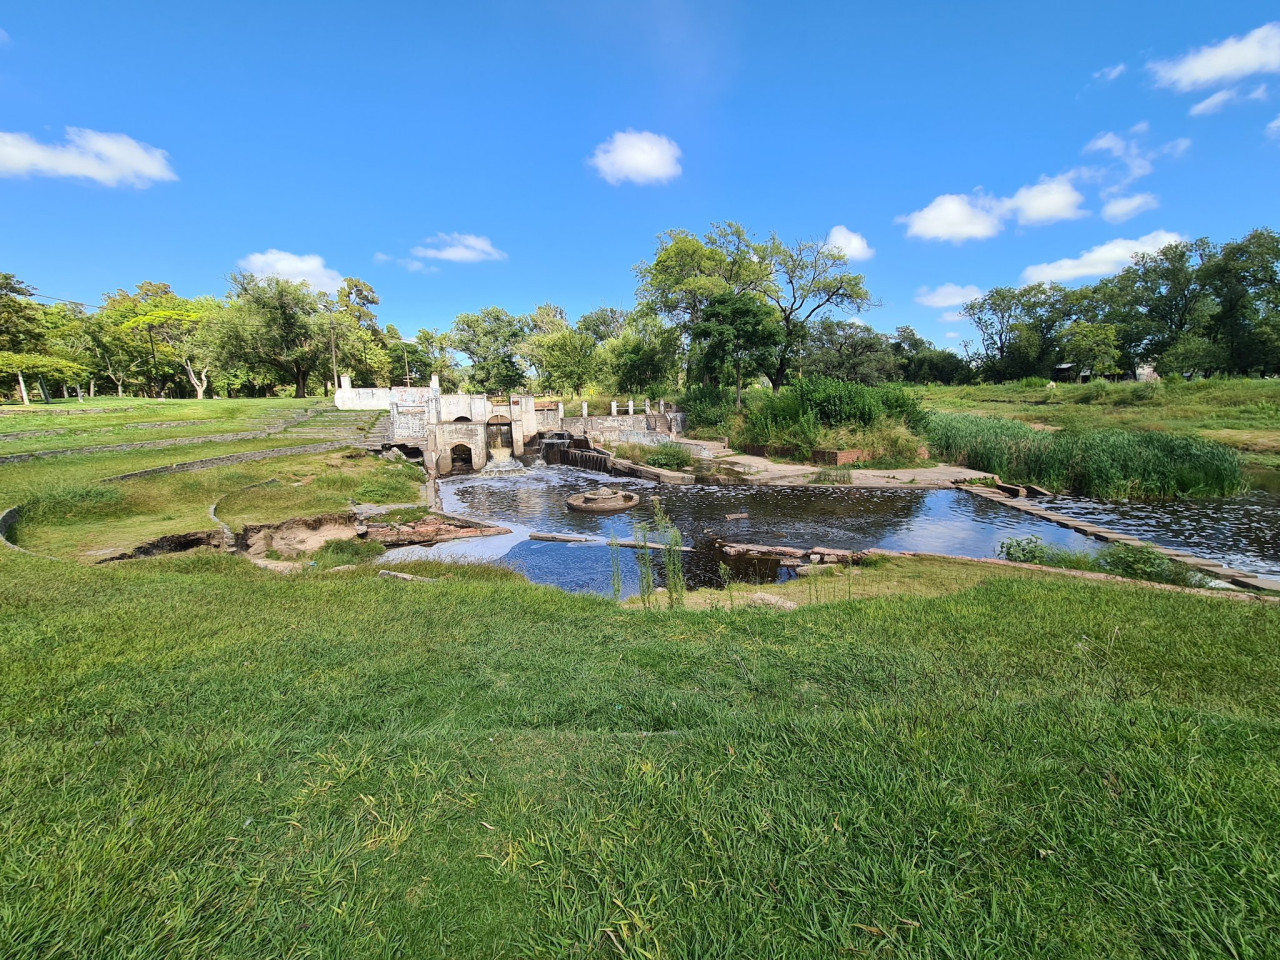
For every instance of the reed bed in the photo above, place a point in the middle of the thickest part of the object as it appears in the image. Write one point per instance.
(1105, 464)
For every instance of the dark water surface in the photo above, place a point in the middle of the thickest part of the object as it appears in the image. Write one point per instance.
(938, 521)
(1242, 532)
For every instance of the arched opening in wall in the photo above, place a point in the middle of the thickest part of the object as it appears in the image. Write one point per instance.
(461, 419)
(460, 455)
(498, 432)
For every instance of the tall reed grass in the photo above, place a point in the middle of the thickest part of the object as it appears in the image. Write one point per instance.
(1106, 464)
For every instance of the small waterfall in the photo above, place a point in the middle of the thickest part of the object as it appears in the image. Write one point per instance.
(587, 460)
(502, 462)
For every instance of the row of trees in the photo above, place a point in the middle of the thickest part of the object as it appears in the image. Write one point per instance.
(1192, 308)
(721, 309)
(265, 333)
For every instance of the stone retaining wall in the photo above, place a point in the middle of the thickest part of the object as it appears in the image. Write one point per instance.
(229, 459)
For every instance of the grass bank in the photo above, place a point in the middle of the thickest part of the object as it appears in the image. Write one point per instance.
(201, 758)
(1243, 414)
(1106, 464)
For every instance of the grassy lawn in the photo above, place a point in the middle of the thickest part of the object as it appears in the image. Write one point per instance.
(201, 758)
(930, 758)
(1244, 414)
(63, 426)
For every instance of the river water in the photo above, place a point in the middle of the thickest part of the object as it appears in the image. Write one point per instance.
(936, 521)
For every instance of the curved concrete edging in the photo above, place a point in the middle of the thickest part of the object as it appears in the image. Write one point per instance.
(1211, 568)
(7, 519)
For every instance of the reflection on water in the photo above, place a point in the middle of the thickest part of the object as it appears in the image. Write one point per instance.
(1242, 532)
(938, 521)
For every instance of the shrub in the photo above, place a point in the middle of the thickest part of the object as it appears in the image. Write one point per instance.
(706, 407)
(1136, 562)
(1141, 562)
(669, 456)
(1033, 383)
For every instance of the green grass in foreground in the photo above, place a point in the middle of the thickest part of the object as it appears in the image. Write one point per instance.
(204, 759)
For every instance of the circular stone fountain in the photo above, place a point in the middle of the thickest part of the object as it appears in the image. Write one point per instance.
(603, 500)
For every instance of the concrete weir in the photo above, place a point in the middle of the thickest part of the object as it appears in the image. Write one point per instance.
(1211, 568)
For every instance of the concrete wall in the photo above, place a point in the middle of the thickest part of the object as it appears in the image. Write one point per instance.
(362, 398)
(450, 435)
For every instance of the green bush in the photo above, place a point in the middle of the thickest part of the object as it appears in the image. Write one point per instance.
(1136, 562)
(1033, 383)
(1140, 562)
(706, 407)
(669, 456)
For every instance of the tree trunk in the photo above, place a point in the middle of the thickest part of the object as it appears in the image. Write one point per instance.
(739, 384)
(120, 387)
(79, 394)
(92, 388)
(300, 384)
(22, 388)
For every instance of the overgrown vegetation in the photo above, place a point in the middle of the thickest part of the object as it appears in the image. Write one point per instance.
(667, 456)
(336, 553)
(1106, 464)
(1135, 561)
(817, 413)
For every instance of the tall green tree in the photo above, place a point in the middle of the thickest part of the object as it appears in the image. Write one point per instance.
(740, 331)
(567, 360)
(808, 279)
(275, 325)
(491, 340)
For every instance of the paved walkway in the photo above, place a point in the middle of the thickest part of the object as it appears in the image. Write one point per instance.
(766, 472)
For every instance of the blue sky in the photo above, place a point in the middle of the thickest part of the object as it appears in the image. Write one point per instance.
(971, 145)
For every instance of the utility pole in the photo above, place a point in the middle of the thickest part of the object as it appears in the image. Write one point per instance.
(404, 349)
(333, 353)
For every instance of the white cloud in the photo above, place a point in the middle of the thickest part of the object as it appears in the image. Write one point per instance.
(1120, 209)
(637, 156)
(107, 158)
(4, 38)
(1213, 103)
(951, 335)
(955, 217)
(952, 316)
(1230, 60)
(947, 295)
(1110, 73)
(293, 266)
(1098, 261)
(852, 245)
(1050, 200)
(1258, 93)
(459, 248)
(1273, 128)
(1138, 160)
(959, 217)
